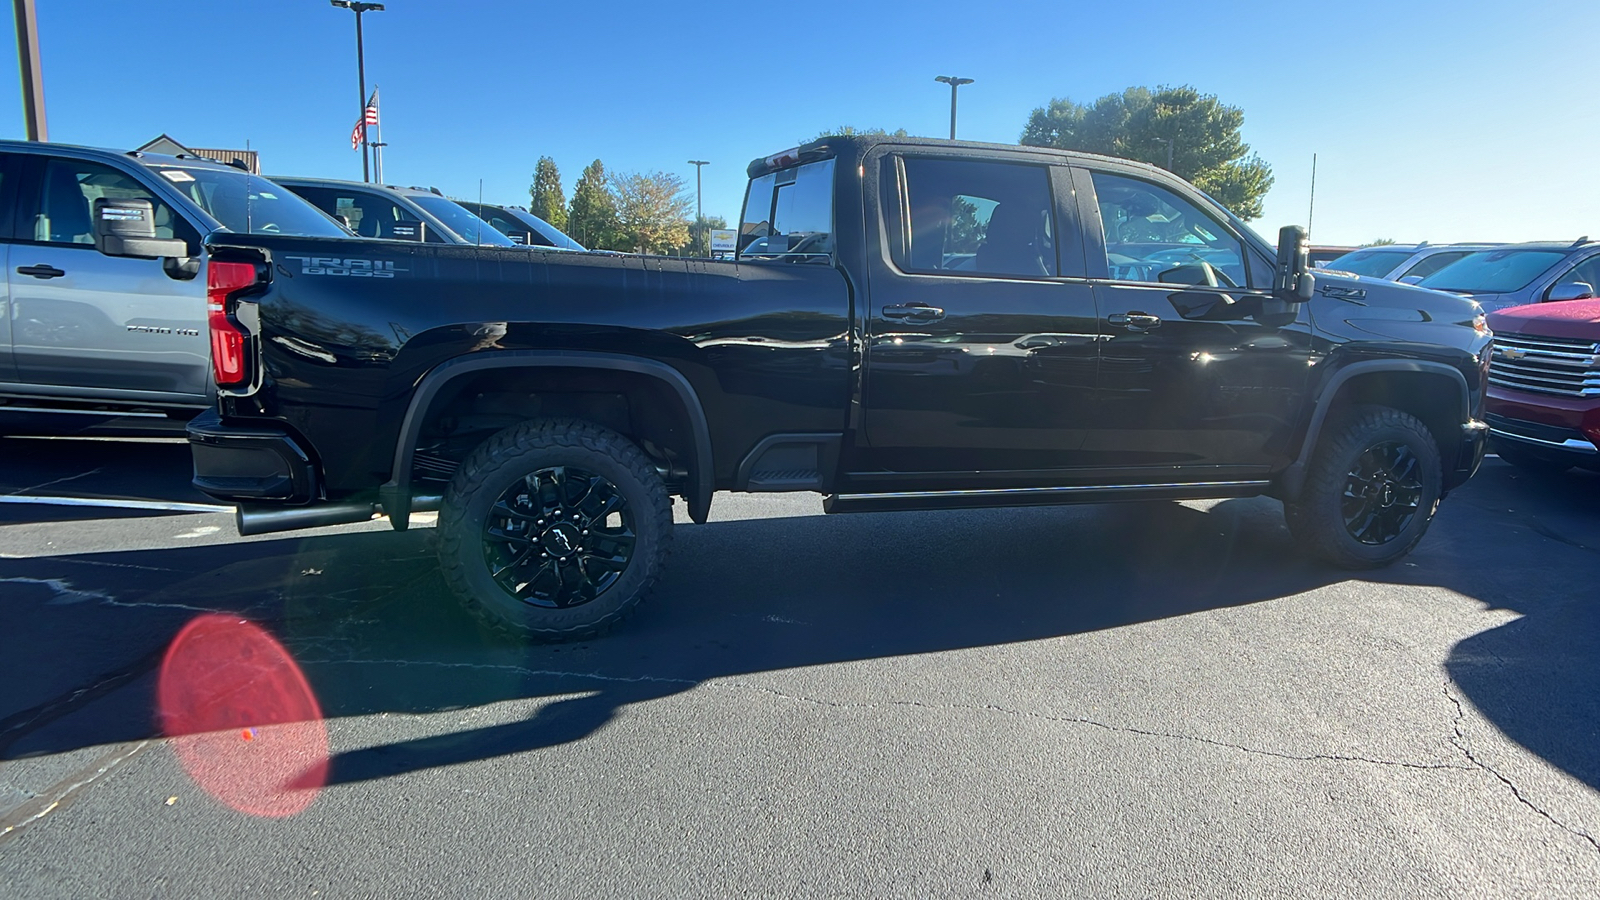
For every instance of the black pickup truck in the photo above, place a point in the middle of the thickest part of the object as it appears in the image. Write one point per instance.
(917, 324)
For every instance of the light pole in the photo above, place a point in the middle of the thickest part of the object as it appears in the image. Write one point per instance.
(699, 211)
(1168, 142)
(358, 8)
(954, 83)
(28, 61)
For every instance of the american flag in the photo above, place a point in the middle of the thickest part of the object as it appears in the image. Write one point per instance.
(369, 117)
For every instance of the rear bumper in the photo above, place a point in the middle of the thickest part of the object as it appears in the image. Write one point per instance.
(242, 463)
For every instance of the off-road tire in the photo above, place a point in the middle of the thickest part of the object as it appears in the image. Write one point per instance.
(1318, 518)
(510, 457)
(1532, 461)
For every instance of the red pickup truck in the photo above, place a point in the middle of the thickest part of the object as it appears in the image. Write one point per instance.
(1544, 385)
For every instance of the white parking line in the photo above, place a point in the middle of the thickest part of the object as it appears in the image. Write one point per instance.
(169, 506)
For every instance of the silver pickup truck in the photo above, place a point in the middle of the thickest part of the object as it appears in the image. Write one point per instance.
(119, 344)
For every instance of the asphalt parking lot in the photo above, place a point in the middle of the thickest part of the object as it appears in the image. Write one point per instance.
(1156, 700)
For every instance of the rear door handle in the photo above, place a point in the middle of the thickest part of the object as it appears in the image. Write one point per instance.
(1135, 321)
(40, 271)
(913, 312)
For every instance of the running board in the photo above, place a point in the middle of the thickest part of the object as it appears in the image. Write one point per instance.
(1048, 496)
(263, 518)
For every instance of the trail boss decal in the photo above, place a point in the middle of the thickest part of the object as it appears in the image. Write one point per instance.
(352, 268)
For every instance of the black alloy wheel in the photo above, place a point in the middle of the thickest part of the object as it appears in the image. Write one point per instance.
(554, 529)
(558, 538)
(1371, 489)
(1382, 493)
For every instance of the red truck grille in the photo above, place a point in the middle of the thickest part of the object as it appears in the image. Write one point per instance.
(1561, 367)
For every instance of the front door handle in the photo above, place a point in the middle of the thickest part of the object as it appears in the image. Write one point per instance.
(913, 312)
(40, 271)
(1135, 321)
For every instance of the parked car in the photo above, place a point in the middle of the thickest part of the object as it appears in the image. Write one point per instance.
(107, 333)
(1544, 385)
(551, 405)
(522, 227)
(1321, 254)
(1518, 274)
(1402, 261)
(396, 213)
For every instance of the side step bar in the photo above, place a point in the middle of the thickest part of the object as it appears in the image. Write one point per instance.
(1048, 496)
(260, 518)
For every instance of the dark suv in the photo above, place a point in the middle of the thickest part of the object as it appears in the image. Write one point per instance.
(522, 226)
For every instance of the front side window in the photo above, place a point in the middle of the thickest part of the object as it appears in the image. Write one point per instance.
(66, 204)
(977, 218)
(1153, 235)
(788, 215)
(370, 215)
(1586, 272)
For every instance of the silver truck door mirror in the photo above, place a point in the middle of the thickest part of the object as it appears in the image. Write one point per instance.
(125, 227)
(1293, 281)
(1572, 290)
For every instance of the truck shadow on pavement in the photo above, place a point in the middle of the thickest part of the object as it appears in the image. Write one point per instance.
(377, 631)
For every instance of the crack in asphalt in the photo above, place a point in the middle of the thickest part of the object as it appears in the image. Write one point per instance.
(1459, 740)
(1119, 729)
(29, 490)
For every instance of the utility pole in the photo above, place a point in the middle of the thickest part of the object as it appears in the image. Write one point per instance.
(1168, 142)
(358, 8)
(28, 60)
(954, 83)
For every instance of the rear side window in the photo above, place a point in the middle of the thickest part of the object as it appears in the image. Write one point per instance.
(788, 215)
(973, 217)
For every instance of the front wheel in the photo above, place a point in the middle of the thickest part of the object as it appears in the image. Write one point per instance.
(554, 529)
(1371, 492)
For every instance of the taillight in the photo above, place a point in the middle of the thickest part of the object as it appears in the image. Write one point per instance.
(227, 341)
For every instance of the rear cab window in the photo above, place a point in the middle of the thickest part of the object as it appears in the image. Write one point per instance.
(788, 216)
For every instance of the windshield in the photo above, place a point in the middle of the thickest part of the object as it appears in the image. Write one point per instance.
(249, 204)
(1493, 271)
(472, 229)
(1372, 263)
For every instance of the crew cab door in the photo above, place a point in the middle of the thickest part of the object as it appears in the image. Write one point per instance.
(131, 329)
(1196, 383)
(982, 336)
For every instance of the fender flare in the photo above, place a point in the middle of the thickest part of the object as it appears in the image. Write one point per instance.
(1293, 477)
(395, 494)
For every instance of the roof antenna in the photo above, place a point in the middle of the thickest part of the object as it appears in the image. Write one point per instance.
(1312, 211)
(480, 211)
(1581, 241)
(249, 210)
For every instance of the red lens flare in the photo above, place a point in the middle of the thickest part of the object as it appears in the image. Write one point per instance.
(241, 717)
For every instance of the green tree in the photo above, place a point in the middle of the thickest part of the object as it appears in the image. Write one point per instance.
(1138, 123)
(699, 243)
(652, 211)
(592, 219)
(549, 201)
(1380, 242)
(852, 131)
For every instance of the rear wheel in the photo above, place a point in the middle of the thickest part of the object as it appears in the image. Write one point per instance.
(554, 529)
(1371, 492)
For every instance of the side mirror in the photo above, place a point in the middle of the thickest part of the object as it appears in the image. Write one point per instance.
(1293, 281)
(1571, 290)
(1198, 273)
(128, 228)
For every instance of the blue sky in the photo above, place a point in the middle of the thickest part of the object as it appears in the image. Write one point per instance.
(1431, 121)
